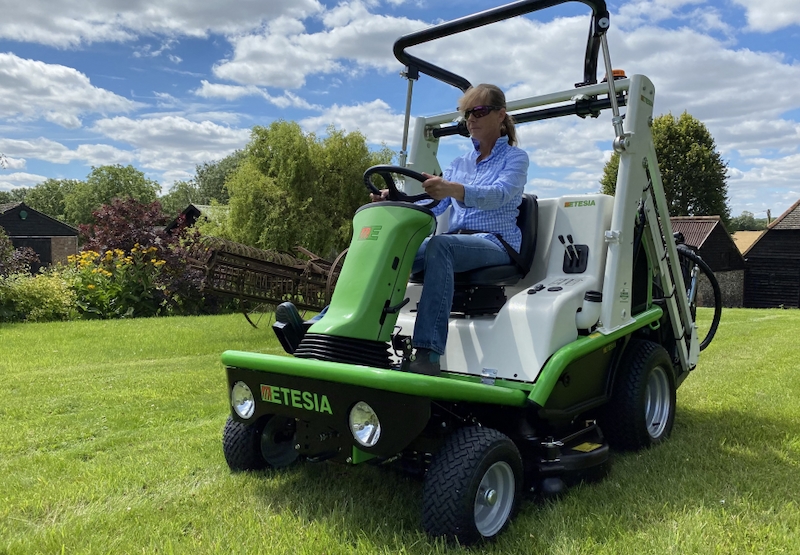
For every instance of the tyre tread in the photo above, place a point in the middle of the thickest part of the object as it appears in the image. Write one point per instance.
(444, 510)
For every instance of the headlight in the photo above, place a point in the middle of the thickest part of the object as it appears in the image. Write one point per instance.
(364, 424)
(242, 400)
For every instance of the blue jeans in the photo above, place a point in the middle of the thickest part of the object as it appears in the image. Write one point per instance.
(441, 256)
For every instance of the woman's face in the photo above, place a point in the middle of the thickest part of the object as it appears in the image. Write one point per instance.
(486, 127)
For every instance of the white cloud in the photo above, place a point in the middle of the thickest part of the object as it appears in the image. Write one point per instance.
(19, 179)
(56, 153)
(233, 92)
(284, 58)
(771, 15)
(169, 143)
(69, 23)
(228, 92)
(375, 120)
(31, 90)
(10, 163)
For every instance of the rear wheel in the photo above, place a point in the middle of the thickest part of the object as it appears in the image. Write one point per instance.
(641, 411)
(255, 447)
(473, 486)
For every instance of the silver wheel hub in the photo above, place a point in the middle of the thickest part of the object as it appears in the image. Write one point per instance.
(494, 499)
(489, 496)
(658, 402)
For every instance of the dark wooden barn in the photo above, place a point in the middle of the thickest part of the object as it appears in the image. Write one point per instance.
(51, 239)
(712, 242)
(772, 278)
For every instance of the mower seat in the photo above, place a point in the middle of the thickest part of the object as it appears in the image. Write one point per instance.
(509, 274)
(482, 290)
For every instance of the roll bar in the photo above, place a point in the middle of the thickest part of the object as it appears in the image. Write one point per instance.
(598, 26)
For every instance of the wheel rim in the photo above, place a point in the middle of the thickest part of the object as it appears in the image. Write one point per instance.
(658, 402)
(494, 499)
(278, 441)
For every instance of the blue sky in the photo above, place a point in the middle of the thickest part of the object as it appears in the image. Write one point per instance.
(165, 85)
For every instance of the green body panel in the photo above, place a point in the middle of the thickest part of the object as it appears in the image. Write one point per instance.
(583, 346)
(360, 456)
(441, 388)
(386, 237)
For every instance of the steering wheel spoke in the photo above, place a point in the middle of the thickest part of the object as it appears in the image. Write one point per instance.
(385, 172)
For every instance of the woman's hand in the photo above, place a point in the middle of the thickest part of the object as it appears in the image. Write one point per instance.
(439, 188)
(377, 198)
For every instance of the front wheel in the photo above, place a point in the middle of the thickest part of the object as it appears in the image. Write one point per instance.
(641, 411)
(255, 447)
(473, 486)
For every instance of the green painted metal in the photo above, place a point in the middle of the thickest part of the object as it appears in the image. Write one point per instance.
(360, 456)
(441, 388)
(386, 237)
(562, 358)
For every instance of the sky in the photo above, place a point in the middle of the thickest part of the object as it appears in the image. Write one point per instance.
(165, 85)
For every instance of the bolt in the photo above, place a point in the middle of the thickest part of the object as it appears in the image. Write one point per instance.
(489, 497)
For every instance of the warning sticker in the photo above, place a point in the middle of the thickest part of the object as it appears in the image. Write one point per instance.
(587, 447)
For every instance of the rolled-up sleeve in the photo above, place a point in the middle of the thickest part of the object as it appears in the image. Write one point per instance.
(505, 186)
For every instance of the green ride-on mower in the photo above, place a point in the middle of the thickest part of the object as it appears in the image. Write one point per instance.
(546, 367)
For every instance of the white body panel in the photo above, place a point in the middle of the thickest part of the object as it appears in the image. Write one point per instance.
(531, 327)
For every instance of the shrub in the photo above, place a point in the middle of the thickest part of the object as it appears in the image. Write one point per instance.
(117, 284)
(41, 298)
(131, 227)
(14, 261)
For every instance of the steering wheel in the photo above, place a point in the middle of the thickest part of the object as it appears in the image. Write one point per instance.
(386, 171)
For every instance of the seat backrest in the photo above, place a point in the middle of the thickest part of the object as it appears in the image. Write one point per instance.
(527, 221)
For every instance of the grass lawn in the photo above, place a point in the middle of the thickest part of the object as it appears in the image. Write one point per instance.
(110, 442)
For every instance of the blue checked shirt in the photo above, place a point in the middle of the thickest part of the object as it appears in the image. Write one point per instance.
(492, 192)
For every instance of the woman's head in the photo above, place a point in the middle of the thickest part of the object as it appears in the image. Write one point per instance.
(492, 97)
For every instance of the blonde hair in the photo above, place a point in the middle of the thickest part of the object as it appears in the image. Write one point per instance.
(490, 95)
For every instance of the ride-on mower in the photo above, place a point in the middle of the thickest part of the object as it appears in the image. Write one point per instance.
(548, 363)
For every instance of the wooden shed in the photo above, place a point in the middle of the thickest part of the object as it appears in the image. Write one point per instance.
(51, 239)
(772, 278)
(712, 242)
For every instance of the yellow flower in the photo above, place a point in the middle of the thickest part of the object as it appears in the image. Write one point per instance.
(90, 286)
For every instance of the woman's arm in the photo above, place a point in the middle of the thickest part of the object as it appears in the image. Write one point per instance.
(506, 186)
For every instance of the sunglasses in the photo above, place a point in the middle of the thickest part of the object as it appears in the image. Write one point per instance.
(479, 111)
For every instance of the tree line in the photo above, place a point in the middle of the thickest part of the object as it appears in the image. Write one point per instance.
(288, 188)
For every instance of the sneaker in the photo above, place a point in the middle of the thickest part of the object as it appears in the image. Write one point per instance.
(288, 326)
(423, 361)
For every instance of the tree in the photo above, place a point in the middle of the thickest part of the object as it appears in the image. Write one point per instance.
(210, 177)
(14, 195)
(747, 221)
(181, 195)
(103, 184)
(693, 172)
(295, 189)
(48, 196)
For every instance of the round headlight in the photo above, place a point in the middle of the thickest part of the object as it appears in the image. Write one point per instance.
(364, 424)
(242, 400)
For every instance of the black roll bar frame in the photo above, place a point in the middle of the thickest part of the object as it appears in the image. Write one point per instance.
(414, 65)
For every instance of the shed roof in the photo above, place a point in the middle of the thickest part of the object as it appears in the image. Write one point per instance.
(695, 229)
(789, 219)
(8, 206)
(40, 224)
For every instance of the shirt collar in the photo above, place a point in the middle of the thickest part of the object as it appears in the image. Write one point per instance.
(500, 144)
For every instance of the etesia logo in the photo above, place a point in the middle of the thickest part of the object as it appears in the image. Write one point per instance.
(295, 398)
(578, 203)
(369, 233)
